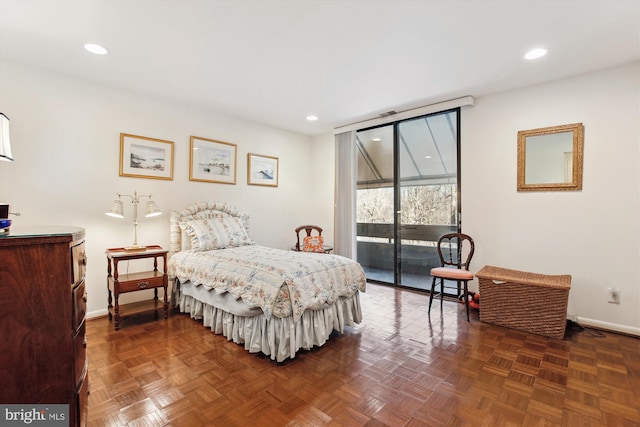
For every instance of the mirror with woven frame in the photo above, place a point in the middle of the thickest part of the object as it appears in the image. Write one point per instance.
(550, 159)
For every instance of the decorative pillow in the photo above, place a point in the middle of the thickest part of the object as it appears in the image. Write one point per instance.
(313, 244)
(216, 233)
(185, 237)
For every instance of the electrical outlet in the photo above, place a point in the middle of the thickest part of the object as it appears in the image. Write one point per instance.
(614, 296)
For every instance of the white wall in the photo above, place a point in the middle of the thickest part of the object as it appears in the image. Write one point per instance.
(65, 139)
(323, 187)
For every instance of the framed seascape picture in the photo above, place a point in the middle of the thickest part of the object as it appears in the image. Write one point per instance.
(143, 157)
(212, 161)
(262, 170)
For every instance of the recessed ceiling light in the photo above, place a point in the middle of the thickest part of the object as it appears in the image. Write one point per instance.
(535, 53)
(376, 139)
(312, 118)
(96, 48)
(427, 157)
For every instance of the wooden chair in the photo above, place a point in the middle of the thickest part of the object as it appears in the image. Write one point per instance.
(313, 241)
(450, 249)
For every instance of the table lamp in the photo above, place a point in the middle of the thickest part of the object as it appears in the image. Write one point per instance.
(117, 211)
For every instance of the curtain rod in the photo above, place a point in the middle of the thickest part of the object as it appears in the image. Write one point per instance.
(465, 101)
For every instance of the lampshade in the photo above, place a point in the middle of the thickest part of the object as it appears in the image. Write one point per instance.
(5, 141)
(117, 209)
(152, 209)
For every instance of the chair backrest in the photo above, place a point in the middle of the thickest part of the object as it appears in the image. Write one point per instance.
(308, 229)
(451, 248)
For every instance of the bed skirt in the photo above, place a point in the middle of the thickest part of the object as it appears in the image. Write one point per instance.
(278, 338)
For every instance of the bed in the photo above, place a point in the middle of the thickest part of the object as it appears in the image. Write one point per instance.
(273, 301)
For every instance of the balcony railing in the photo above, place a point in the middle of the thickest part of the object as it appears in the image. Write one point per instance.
(418, 252)
(416, 232)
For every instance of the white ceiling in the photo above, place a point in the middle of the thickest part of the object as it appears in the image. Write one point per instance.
(275, 62)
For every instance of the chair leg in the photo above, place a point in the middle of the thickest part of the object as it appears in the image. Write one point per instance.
(433, 286)
(466, 298)
(441, 292)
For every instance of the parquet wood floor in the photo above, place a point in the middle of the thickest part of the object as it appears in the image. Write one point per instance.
(397, 368)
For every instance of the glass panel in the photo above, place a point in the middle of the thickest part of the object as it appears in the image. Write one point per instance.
(428, 193)
(374, 214)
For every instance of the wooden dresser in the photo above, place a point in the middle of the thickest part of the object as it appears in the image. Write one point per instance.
(43, 358)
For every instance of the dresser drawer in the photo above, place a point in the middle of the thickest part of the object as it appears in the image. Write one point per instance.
(78, 262)
(80, 354)
(79, 308)
(82, 403)
(139, 281)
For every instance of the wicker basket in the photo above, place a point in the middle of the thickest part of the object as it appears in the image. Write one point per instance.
(530, 302)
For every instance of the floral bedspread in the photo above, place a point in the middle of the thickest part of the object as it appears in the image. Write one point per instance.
(282, 283)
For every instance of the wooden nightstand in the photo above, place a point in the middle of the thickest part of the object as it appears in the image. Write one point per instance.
(132, 282)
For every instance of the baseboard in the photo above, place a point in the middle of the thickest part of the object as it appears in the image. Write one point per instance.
(97, 313)
(614, 327)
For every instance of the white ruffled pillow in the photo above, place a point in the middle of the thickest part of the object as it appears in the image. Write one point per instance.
(216, 233)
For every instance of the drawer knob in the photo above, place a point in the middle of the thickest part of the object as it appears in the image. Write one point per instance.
(143, 285)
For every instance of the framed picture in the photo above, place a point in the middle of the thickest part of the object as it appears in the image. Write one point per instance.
(143, 157)
(212, 161)
(262, 170)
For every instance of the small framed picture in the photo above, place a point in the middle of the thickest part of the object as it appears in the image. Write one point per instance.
(212, 161)
(143, 157)
(262, 170)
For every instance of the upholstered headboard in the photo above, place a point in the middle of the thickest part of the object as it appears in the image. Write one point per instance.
(202, 210)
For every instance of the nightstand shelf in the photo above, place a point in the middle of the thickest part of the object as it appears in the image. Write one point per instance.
(139, 307)
(133, 282)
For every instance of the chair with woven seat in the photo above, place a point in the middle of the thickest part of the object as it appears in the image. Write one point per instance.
(311, 242)
(451, 247)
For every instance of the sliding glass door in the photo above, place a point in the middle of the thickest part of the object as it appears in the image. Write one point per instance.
(407, 196)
